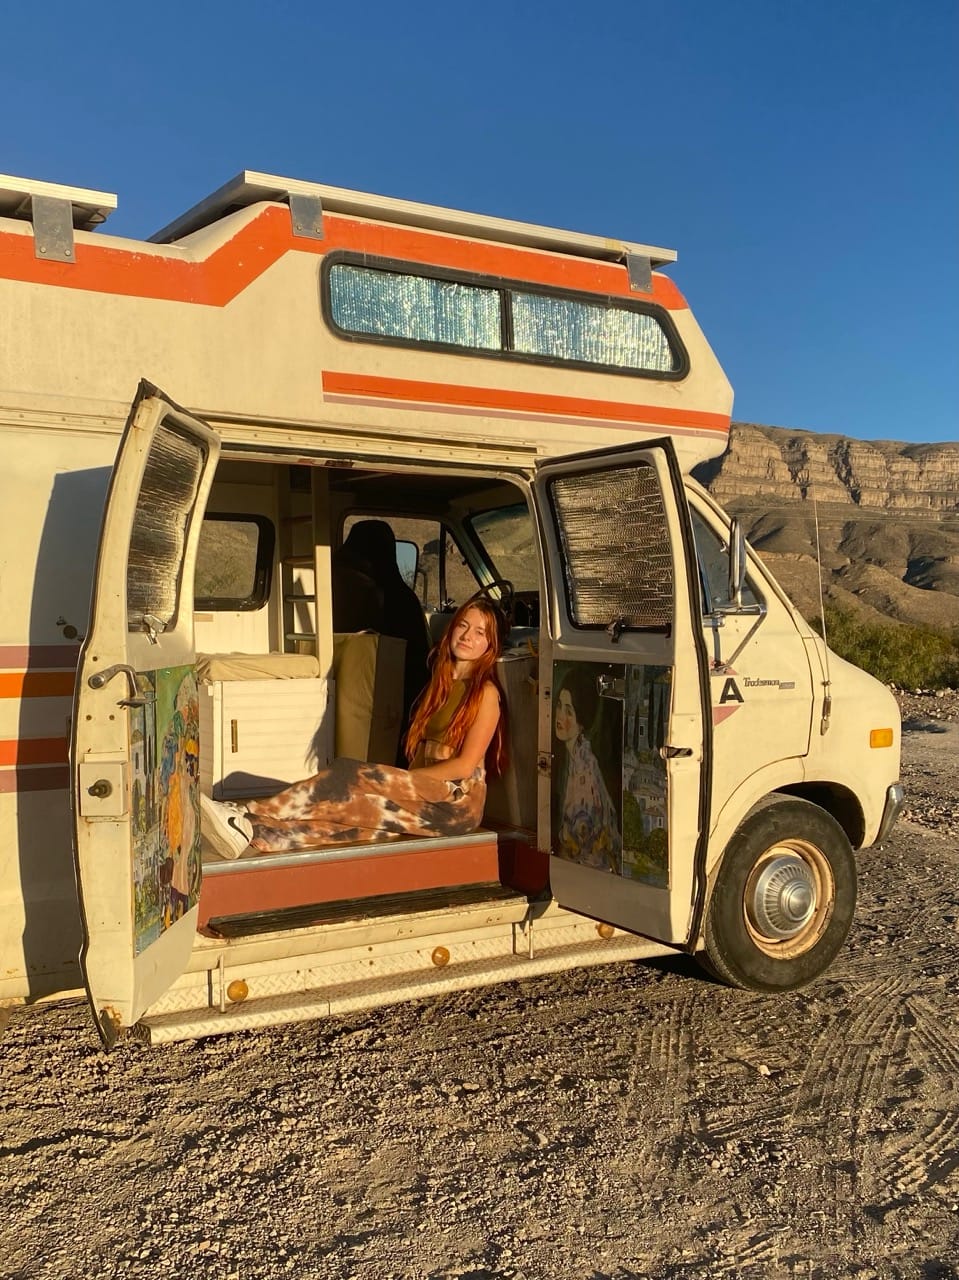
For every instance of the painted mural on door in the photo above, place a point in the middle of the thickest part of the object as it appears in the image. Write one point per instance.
(609, 776)
(645, 718)
(164, 750)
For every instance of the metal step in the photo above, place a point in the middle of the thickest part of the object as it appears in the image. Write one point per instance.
(368, 909)
(390, 988)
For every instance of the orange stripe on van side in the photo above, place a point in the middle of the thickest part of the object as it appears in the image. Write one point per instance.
(33, 751)
(42, 779)
(26, 656)
(37, 684)
(496, 399)
(212, 281)
(217, 279)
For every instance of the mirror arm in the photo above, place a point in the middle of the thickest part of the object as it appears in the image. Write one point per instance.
(737, 565)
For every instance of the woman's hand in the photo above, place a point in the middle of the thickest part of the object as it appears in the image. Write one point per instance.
(475, 745)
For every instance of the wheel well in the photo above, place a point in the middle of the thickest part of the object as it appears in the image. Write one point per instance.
(839, 802)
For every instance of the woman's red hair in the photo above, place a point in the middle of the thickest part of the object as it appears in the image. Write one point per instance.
(437, 691)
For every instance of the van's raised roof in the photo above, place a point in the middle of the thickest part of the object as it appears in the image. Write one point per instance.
(250, 187)
(89, 208)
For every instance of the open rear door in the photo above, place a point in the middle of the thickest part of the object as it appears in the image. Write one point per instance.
(628, 744)
(135, 719)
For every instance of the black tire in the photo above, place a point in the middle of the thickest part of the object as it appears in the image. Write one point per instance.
(783, 900)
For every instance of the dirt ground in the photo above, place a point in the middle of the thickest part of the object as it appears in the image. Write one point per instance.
(609, 1124)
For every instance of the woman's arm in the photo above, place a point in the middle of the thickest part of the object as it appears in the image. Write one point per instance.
(478, 737)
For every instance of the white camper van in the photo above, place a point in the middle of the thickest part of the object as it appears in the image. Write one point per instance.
(522, 406)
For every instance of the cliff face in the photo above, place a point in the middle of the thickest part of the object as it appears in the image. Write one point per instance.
(888, 518)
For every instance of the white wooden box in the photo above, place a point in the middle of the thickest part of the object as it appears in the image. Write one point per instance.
(258, 736)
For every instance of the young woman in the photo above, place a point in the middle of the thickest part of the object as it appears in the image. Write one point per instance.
(457, 729)
(587, 829)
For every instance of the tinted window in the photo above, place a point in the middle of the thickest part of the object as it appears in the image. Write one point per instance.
(234, 563)
(498, 317)
(418, 308)
(713, 554)
(590, 334)
(506, 535)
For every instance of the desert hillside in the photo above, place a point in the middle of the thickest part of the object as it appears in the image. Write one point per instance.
(888, 518)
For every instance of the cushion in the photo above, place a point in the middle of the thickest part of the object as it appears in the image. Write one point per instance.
(368, 672)
(256, 666)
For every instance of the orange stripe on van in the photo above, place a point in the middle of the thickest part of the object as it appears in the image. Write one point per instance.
(37, 684)
(494, 399)
(48, 779)
(219, 278)
(27, 656)
(33, 751)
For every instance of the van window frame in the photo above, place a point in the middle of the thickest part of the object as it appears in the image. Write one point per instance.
(262, 571)
(504, 286)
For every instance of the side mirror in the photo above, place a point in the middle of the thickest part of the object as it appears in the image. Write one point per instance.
(737, 562)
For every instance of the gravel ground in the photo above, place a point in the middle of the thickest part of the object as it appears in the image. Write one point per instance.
(637, 1121)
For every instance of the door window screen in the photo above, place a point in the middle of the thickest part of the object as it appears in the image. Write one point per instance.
(617, 559)
(158, 537)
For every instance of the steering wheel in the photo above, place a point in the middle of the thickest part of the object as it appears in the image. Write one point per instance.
(507, 596)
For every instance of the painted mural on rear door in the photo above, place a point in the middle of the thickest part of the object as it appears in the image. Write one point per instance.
(609, 789)
(164, 742)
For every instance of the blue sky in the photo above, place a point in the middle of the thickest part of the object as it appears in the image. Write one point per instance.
(801, 155)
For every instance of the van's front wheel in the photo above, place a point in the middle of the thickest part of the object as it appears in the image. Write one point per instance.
(783, 900)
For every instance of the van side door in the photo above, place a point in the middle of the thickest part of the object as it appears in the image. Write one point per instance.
(625, 732)
(135, 737)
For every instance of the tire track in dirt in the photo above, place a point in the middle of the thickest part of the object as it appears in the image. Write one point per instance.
(849, 1064)
(855, 1071)
(664, 1050)
(929, 1158)
(754, 1254)
(672, 1050)
(932, 1159)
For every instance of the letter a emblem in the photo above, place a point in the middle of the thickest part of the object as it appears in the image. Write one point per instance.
(730, 692)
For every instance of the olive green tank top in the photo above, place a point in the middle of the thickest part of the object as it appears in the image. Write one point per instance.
(433, 746)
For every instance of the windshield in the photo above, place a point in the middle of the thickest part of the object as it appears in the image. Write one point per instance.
(506, 535)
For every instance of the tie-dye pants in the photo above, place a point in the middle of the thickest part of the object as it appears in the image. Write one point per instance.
(352, 802)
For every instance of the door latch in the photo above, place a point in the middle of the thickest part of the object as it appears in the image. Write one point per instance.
(136, 698)
(103, 785)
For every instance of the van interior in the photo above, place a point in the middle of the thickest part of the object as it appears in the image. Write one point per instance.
(272, 712)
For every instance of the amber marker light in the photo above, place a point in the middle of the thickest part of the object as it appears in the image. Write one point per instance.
(880, 737)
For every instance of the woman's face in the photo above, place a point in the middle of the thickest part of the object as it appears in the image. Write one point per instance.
(470, 638)
(567, 726)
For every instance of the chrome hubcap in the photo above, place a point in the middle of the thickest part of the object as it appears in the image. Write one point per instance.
(783, 898)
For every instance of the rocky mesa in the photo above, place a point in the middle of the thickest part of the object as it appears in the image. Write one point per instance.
(888, 517)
